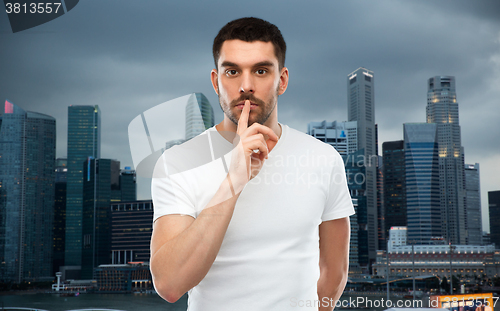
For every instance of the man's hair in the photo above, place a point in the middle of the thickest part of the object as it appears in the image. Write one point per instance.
(251, 29)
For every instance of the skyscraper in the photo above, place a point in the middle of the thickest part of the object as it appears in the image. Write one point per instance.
(442, 109)
(101, 186)
(128, 187)
(199, 115)
(394, 184)
(361, 108)
(473, 205)
(59, 225)
(494, 209)
(84, 140)
(27, 158)
(422, 182)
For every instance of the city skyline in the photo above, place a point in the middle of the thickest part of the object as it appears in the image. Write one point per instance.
(127, 66)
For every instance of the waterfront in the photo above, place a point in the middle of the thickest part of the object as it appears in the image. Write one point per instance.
(124, 302)
(150, 302)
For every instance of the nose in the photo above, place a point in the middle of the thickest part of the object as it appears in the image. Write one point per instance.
(247, 84)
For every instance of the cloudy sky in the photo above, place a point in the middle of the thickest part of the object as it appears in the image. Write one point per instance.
(128, 56)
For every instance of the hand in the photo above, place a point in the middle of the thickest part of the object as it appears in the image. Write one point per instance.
(245, 163)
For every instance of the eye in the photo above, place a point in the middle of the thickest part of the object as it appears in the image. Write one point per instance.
(261, 71)
(231, 72)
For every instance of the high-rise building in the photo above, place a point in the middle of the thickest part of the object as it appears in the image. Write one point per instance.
(104, 184)
(355, 174)
(340, 135)
(422, 182)
(494, 209)
(361, 108)
(27, 158)
(382, 236)
(442, 109)
(84, 140)
(131, 229)
(59, 225)
(101, 186)
(474, 234)
(199, 115)
(128, 185)
(393, 154)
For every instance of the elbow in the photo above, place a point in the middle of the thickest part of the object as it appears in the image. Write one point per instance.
(167, 291)
(164, 285)
(332, 284)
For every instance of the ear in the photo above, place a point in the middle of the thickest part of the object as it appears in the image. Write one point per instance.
(214, 77)
(283, 84)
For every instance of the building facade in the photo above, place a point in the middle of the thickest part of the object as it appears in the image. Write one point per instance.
(27, 175)
(422, 182)
(128, 186)
(84, 140)
(474, 233)
(442, 109)
(340, 135)
(131, 229)
(361, 108)
(59, 231)
(101, 186)
(393, 154)
(494, 209)
(404, 260)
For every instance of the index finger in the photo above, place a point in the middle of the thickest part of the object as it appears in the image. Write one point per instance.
(243, 121)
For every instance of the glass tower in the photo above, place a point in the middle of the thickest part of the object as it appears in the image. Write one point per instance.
(361, 108)
(494, 211)
(84, 140)
(394, 184)
(442, 109)
(101, 186)
(473, 204)
(27, 160)
(199, 115)
(59, 225)
(422, 182)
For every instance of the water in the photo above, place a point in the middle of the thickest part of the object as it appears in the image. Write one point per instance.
(152, 302)
(125, 302)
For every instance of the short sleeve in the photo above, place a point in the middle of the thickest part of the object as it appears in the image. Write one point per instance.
(338, 203)
(170, 192)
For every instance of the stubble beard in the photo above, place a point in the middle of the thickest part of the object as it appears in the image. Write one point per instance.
(261, 118)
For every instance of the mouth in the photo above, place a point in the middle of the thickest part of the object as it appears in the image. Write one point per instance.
(242, 104)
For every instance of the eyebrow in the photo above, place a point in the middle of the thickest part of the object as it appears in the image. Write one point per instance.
(260, 64)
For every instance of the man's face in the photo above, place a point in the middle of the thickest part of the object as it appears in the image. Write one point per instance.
(249, 70)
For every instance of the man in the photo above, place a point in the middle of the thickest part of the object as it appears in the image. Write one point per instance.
(264, 226)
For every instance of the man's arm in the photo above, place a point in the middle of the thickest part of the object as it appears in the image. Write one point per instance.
(183, 248)
(334, 238)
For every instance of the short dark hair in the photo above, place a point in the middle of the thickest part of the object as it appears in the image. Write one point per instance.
(251, 29)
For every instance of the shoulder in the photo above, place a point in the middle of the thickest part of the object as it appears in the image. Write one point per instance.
(185, 156)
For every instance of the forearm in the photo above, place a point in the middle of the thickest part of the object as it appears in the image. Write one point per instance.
(183, 261)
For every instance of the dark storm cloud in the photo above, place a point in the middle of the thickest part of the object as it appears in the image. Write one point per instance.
(128, 56)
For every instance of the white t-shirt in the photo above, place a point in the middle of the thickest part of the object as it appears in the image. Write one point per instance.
(269, 258)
